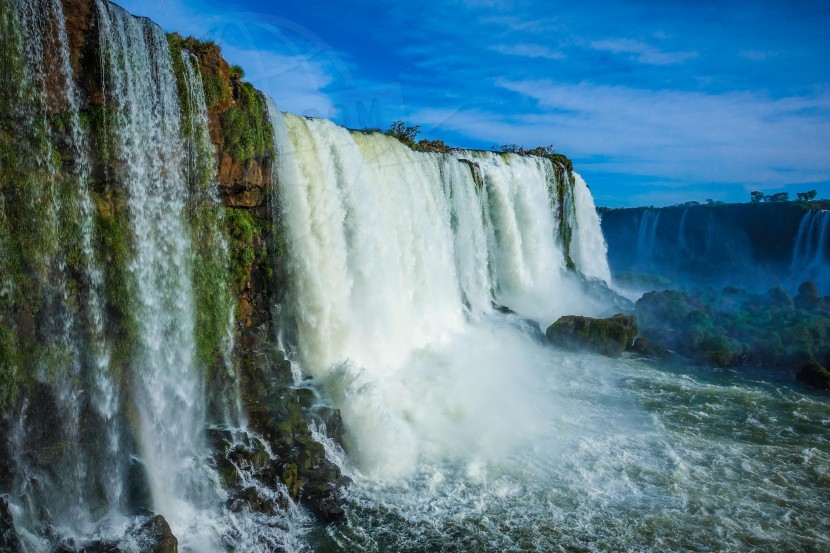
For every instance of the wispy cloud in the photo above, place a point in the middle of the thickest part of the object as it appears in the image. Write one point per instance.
(641, 52)
(528, 51)
(743, 139)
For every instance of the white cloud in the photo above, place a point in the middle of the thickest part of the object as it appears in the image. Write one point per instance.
(742, 138)
(528, 51)
(641, 52)
(295, 82)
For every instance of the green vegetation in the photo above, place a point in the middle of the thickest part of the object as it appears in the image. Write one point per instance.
(244, 126)
(216, 90)
(243, 229)
(756, 196)
(609, 336)
(734, 327)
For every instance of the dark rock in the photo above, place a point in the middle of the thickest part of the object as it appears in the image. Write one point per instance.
(609, 336)
(807, 297)
(502, 309)
(156, 536)
(648, 347)
(139, 495)
(598, 289)
(9, 540)
(814, 375)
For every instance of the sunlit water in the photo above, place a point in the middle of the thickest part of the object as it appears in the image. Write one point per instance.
(595, 454)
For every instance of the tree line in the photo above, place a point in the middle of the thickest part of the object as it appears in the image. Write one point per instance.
(757, 197)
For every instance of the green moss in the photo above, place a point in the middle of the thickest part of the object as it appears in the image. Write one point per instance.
(245, 128)
(242, 230)
(9, 361)
(211, 282)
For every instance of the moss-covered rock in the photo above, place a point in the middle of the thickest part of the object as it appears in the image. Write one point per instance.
(814, 375)
(610, 336)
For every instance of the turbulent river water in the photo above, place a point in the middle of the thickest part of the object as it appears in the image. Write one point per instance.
(465, 431)
(580, 453)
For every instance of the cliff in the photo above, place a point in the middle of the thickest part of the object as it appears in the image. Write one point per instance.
(751, 245)
(78, 271)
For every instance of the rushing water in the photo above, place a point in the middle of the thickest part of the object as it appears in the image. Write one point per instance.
(811, 254)
(464, 431)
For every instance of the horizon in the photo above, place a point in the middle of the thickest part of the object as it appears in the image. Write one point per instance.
(655, 104)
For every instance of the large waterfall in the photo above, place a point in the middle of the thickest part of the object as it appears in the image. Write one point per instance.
(396, 255)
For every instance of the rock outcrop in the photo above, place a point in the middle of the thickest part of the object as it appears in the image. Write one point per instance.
(610, 336)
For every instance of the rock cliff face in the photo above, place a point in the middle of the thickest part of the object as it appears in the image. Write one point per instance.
(59, 146)
(751, 245)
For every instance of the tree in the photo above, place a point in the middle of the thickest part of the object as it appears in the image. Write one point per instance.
(779, 197)
(756, 197)
(806, 196)
(405, 133)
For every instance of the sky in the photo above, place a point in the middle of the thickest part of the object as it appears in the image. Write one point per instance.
(656, 103)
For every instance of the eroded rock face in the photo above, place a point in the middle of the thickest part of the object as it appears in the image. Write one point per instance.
(9, 542)
(609, 337)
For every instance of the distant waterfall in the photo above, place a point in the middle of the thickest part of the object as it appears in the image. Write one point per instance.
(811, 254)
(647, 238)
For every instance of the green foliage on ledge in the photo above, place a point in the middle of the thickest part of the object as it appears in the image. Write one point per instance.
(243, 229)
(245, 129)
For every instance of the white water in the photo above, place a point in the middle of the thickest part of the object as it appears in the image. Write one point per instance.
(647, 238)
(168, 389)
(588, 248)
(811, 254)
(78, 319)
(396, 256)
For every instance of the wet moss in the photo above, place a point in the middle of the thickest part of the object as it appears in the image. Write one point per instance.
(243, 229)
(245, 129)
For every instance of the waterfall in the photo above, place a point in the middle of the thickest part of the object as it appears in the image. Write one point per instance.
(168, 388)
(647, 238)
(395, 258)
(76, 356)
(588, 247)
(811, 254)
(681, 233)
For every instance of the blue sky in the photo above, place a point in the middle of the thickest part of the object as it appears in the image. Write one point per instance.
(656, 102)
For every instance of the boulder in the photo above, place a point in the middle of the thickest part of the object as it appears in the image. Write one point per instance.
(610, 336)
(156, 536)
(647, 346)
(814, 375)
(807, 297)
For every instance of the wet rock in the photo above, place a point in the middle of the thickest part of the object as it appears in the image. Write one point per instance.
(814, 375)
(598, 290)
(649, 347)
(156, 536)
(608, 337)
(9, 540)
(139, 495)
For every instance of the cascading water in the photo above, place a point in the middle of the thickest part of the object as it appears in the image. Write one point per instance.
(647, 238)
(588, 247)
(77, 356)
(395, 256)
(168, 390)
(463, 430)
(811, 254)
